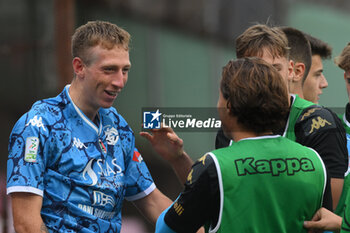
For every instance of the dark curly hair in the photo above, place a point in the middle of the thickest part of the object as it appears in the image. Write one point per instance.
(256, 94)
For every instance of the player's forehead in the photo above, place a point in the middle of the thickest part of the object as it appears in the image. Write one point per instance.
(103, 56)
(273, 58)
(316, 60)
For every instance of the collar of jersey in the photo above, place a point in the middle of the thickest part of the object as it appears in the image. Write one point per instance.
(257, 138)
(260, 137)
(85, 118)
(291, 104)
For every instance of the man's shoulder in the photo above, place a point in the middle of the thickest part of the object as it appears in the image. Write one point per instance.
(113, 115)
(45, 109)
(300, 103)
(317, 111)
(316, 119)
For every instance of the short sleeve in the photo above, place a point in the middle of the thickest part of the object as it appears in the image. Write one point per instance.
(138, 179)
(26, 161)
(139, 182)
(320, 129)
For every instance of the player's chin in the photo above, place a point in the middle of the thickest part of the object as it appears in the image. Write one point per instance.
(106, 104)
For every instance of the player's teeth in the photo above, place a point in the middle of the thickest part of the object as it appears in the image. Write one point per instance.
(111, 93)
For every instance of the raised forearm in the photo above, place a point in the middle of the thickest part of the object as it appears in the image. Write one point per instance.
(182, 166)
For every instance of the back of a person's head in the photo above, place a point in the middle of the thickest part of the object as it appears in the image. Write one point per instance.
(256, 93)
(258, 37)
(343, 60)
(95, 33)
(300, 50)
(319, 47)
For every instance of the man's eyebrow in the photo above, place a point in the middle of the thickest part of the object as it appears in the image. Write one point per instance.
(277, 65)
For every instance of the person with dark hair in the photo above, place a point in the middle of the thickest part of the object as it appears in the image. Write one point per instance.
(230, 189)
(308, 124)
(300, 54)
(340, 219)
(316, 81)
(72, 158)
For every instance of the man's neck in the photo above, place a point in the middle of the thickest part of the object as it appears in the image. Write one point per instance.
(239, 133)
(77, 96)
(296, 88)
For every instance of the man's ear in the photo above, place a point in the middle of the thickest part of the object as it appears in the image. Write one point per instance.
(228, 106)
(299, 70)
(78, 67)
(290, 70)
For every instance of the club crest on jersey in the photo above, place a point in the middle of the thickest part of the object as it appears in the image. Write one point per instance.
(112, 135)
(137, 156)
(32, 145)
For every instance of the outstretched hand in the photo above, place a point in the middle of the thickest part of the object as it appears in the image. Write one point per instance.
(165, 142)
(323, 220)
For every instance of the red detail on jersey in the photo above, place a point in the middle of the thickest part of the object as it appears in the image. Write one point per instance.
(103, 148)
(137, 156)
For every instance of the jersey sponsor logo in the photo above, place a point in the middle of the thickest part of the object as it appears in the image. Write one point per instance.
(103, 169)
(88, 170)
(101, 199)
(112, 135)
(78, 144)
(96, 212)
(274, 166)
(178, 208)
(309, 112)
(319, 123)
(32, 145)
(38, 122)
(137, 156)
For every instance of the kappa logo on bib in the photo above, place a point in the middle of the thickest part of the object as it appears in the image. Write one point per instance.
(274, 166)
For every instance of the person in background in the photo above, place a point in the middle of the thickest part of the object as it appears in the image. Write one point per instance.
(308, 124)
(230, 189)
(300, 54)
(340, 219)
(316, 81)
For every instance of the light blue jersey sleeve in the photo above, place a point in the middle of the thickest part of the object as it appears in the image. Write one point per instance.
(161, 226)
(26, 161)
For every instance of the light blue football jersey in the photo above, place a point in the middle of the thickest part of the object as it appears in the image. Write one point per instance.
(83, 171)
